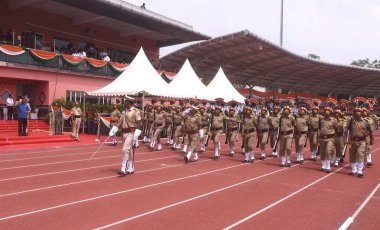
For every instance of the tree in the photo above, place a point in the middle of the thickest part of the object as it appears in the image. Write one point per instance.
(314, 56)
(367, 63)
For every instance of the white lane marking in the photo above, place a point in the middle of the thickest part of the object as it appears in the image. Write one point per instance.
(281, 200)
(75, 170)
(191, 199)
(90, 180)
(51, 156)
(120, 192)
(50, 150)
(351, 219)
(55, 163)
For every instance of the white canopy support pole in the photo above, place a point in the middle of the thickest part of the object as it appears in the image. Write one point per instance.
(84, 110)
(142, 104)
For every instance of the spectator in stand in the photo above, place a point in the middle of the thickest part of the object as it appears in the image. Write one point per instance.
(22, 115)
(103, 54)
(18, 40)
(91, 52)
(106, 58)
(10, 105)
(143, 6)
(39, 44)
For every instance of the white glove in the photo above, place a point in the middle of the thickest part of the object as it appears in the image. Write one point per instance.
(136, 135)
(113, 131)
(186, 112)
(201, 133)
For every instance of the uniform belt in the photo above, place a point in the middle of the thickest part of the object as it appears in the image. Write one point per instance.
(216, 129)
(286, 132)
(339, 134)
(232, 129)
(129, 130)
(178, 124)
(302, 132)
(327, 136)
(192, 132)
(204, 126)
(263, 131)
(77, 116)
(358, 138)
(313, 130)
(159, 124)
(249, 130)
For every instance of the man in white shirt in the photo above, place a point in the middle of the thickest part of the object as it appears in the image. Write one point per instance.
(10, 105)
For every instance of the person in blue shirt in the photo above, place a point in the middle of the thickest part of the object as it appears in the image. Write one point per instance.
(22, 115)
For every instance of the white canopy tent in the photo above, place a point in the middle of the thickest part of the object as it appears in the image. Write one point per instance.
(138, 77)
(187, 84)
(221, 86)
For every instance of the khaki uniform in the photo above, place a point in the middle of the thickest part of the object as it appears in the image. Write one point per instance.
(114, 119)
(205, 119)
(217, 130)
(286, 138)
(249, 123)
(192, 125)
(263, 124)
(327, 144)
(150, 124)
(76, 113)
(178, 123)
(301, 128)
(371, 121)
(313, 134)
(129, 119)
(157, 127)
(360, 129)
(232, 131)
(339, 139)
(168, 126)
(274, 122)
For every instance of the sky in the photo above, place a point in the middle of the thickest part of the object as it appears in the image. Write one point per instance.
(339, 31)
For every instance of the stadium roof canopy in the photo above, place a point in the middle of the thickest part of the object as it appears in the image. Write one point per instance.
(250, 60)
(119, 15)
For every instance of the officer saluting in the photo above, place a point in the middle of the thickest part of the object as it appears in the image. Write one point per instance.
(130, 122)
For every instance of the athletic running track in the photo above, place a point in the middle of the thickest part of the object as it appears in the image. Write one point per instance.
(59, 188)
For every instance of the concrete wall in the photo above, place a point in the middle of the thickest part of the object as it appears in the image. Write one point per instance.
(53, 84)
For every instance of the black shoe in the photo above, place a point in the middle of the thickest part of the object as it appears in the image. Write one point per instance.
(245, 161)
(275, 156)
(341, 160)
(231, 155)
(251, 161)
(25, 134)
(301, 161)
(194, 160)
(288, 165)
(360, 175)
(314, 159)
(297, 162)
(186, 160)
(122, 174)
(369, 164)
(282, 165)
(130, 173)
(322, 169)
(262, 158)
(352, 173)
(328, 170)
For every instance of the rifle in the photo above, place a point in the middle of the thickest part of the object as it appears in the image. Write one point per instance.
(209, 129)
(346, 141)
(226, 141)
(278, 137)
(258, 134)
(242, 131)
